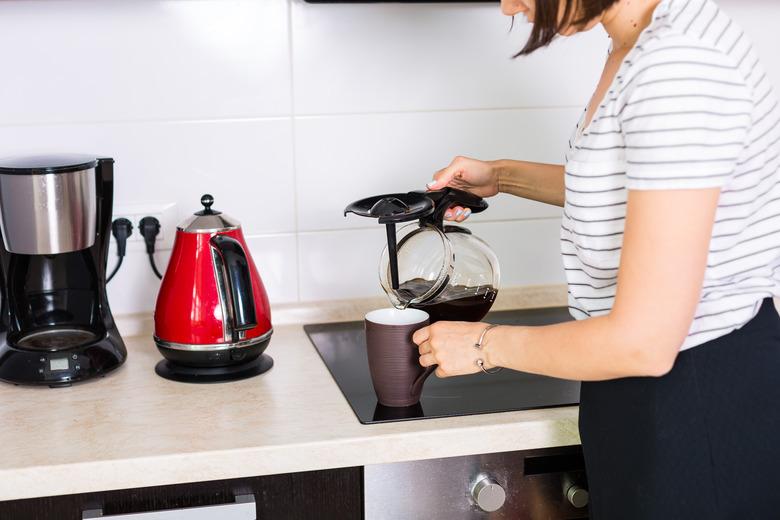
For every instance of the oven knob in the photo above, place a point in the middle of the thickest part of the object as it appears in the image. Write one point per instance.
(488, 495)
(577, 496)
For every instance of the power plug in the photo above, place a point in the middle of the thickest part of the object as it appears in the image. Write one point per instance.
(149, 227)
(121, 228)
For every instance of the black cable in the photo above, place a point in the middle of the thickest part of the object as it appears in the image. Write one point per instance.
(121, 228)
(150, 228)
(116, 269)
(154, 266)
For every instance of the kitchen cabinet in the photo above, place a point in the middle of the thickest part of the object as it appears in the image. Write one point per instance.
(328, 494)
(521, 485)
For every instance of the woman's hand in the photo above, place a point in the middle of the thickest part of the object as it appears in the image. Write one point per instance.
(472, 175)
(450, 344)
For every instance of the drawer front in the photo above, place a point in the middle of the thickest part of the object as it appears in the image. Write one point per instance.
(324, 495)
(530, 485)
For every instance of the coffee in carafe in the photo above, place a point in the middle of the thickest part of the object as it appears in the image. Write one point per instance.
(455, 303)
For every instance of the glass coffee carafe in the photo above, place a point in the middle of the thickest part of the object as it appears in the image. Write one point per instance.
(442, 269)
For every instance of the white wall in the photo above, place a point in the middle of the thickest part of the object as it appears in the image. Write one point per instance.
(287, 111)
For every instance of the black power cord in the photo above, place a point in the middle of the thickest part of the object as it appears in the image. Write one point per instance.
(121, 228)
(149, 227)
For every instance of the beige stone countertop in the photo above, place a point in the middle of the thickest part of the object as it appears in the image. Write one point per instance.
(135, 429)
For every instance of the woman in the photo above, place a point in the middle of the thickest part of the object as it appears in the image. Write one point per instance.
(671, 245)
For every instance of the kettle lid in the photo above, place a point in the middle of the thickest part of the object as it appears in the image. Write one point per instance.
(208, 220)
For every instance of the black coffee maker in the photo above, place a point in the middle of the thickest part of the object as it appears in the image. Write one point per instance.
(56, 327)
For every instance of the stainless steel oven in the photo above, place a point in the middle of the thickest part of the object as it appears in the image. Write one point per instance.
(541, 484)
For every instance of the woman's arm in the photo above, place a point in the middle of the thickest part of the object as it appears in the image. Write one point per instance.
(664, 256)
(535, 181)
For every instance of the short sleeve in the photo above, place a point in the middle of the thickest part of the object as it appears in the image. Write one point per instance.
(685, 119)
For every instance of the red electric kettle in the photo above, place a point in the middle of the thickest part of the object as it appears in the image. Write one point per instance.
(212, 320)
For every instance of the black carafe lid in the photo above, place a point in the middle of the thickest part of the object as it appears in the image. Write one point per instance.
(395, 207)
(427, 206)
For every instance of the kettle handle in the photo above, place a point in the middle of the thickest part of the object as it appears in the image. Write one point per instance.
(239, 281)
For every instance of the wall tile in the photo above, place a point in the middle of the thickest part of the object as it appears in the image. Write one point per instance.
(344, 158)
(390, 57)
(529, 251)
(113, 60)
(246, 165)
(276, 257)
(339, 264)
(134, 288)
(345, 264)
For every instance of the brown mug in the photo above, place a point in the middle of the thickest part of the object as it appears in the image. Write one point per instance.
(393, 358)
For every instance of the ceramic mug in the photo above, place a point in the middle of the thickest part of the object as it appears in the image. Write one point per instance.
(393, 358)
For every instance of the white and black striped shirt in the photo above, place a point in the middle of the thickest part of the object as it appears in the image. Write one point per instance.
(691, 107)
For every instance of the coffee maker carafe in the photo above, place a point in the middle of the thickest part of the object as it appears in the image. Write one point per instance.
(442, 269)
(56, 327)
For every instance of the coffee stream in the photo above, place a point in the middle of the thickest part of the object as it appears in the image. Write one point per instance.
(454, 303)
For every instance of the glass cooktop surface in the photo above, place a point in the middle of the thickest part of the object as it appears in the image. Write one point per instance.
(342, 346)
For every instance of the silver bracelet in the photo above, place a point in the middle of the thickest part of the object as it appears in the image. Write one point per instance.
(478, 346)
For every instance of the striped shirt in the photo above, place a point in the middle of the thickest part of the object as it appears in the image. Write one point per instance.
(690, 107)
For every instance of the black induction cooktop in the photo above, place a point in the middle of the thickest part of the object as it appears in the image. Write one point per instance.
(342, 346)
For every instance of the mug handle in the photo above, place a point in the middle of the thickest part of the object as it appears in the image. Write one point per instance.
(418, 382)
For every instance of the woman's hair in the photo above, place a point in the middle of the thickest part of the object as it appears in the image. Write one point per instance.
(546, 25)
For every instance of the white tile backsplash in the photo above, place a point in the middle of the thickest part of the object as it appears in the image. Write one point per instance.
(246, 164)
(529, 251)
(391, 57)
(113, 60)
(134, 288)
(400, 152)
(340, 264)
(287, 111)
(276, 258)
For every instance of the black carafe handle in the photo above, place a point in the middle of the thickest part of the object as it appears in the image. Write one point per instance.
(239, 281)
(448, 197)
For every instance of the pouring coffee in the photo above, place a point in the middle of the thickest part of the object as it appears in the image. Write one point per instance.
(442, 269)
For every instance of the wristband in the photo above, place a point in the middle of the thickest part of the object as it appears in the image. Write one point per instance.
(478, 345)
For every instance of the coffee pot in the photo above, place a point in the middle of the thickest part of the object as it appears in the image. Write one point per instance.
(440, 268)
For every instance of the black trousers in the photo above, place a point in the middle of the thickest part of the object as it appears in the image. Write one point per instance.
(701, 442)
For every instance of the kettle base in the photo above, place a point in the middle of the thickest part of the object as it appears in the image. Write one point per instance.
(190, 374)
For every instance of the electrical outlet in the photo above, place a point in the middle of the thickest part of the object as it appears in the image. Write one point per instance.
(165, 212)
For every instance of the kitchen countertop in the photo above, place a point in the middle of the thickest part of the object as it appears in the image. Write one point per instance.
(135, 429)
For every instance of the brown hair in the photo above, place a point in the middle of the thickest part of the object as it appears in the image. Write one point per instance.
(546, 25)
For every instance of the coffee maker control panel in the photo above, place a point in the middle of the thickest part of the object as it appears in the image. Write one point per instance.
(60, 369)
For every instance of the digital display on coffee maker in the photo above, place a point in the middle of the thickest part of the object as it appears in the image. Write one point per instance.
(58, 364)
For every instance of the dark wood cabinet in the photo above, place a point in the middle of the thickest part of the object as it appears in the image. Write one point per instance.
(538, 484)
(330, 494)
